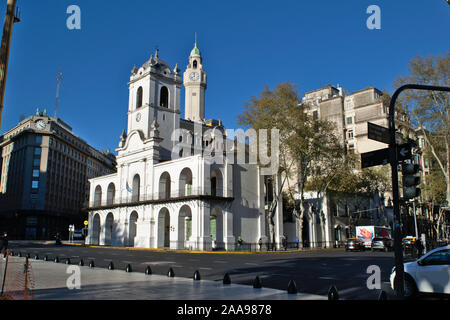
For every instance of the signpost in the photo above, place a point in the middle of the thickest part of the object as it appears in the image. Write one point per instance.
(377, 133)
(375, 158)
(383, 156)
(397, 153)
(394, 154)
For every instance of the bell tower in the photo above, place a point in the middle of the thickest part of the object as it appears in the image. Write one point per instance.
(194, 80)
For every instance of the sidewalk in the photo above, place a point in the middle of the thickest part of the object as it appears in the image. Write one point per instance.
(51, 283)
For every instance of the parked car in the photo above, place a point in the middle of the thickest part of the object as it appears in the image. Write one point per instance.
(383, 244)
(429, 274)
(409, 241)
(78, 234)
(354, 244)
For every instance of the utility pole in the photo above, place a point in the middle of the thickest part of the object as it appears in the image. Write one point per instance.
(58, 78)
(399, 284)
(12, 16)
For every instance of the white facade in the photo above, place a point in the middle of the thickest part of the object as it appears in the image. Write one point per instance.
(161, 200)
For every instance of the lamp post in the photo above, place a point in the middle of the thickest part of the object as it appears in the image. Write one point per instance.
(11, 17)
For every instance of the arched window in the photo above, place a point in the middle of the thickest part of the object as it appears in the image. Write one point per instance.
(194, 64)
(136, 188)
(164, 186)
(98, 196)
(139, 98)
(164, 97)
(111, 194)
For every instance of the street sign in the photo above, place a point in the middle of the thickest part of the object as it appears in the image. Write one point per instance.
(375, 158)
(86, 222)
(378, 133)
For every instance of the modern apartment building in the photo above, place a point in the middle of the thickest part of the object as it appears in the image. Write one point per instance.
(45, 169)
(350, 113)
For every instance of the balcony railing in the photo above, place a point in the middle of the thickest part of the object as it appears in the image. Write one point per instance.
(175, 195)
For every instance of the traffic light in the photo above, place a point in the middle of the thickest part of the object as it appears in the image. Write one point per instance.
(410, 181)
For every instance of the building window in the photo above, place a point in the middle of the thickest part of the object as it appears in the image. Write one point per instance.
(36, 173)
(38, 140)
(35, 184)
(315, 115)
(37, 151)
(351, 148)
(139, 97)
(350, 134)
(36, 162)
(349, 120)
(195, 64)
(164, 97)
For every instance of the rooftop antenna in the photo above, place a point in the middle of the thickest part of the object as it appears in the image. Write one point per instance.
(58, 78)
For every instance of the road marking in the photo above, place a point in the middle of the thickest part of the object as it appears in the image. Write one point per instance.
(205, 268)
(328, 278)
(251, 264)
(158, 262)
(220, 261)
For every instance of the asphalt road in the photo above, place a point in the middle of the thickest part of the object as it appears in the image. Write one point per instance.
(313, 271)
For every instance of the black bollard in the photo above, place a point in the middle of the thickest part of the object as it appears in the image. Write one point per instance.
(111, 266)
(28, 256)
(197, 275)
(226, 279)
(91, 264)
(333, 293)
(382, 296)
(46, 258)
(19, 254)
(170, 273)
(36, 257)
(128, 268)
(68, 261)
(257, 283)
(292, 287)
(81, 263)
(148, 270)
(57, 260)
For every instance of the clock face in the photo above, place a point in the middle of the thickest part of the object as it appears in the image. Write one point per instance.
(138, 117)
(194, 76)
(40, 125)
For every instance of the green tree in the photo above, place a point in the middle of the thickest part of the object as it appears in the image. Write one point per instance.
(429, 110)
(304, 143)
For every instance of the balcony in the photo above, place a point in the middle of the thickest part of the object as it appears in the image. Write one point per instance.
(154, 198)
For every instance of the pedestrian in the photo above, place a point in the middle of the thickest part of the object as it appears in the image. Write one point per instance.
(284, 241)
(419, 248)
(260, 244)
(297, 242)
(58, 238)
(240, 242)
(4, 243)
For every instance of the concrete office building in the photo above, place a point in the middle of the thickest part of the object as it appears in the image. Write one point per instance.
(45, 169)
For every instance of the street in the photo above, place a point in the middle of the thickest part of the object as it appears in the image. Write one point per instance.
(313, 271)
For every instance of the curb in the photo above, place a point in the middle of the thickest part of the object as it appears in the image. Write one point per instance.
(190, 251)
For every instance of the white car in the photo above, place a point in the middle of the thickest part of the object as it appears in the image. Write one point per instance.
(428, 274)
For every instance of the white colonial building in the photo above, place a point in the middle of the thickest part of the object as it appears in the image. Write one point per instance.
(168, 192)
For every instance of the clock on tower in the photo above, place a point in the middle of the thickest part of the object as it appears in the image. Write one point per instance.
(195, 85)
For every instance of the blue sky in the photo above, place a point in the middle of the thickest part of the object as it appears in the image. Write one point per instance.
(245, 46)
